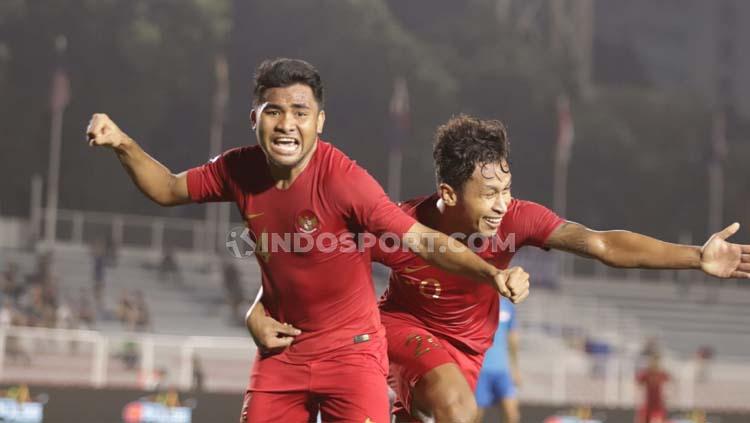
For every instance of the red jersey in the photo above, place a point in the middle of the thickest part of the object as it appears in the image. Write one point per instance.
(321, 286)
(460, 309)
(653, 382)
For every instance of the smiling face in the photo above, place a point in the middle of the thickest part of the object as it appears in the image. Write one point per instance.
(471, 164)
(287, 123)
(481, 203)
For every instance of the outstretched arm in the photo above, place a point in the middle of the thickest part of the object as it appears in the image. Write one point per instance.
(153, 178)
(716, 257)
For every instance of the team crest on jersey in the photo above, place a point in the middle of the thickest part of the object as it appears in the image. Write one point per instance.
(307, 222)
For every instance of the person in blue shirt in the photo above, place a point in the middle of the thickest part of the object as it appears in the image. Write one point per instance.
(500, 372)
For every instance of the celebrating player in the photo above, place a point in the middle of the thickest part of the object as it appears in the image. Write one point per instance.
(294, 184)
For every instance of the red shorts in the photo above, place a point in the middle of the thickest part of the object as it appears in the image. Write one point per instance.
(413, 351)
(346, 386)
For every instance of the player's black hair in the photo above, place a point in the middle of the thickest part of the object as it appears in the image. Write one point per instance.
(283, 72)
(465, 142)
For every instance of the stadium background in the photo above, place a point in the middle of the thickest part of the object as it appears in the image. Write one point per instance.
(621, 115)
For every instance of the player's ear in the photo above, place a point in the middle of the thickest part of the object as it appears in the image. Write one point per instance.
(321, 121)
(447, 194)
(254, 118)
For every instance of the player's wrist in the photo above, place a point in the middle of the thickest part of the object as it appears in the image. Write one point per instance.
(124, 145)
(492, 272)
(695, 257)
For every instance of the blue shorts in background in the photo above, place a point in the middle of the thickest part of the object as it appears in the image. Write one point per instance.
(494, 386)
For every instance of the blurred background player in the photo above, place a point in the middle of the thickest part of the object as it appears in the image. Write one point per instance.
(500, 372)
(652, 380)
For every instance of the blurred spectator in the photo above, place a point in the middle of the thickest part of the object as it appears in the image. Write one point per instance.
(168, 268)
(85, 311)
(598, 352)
(43, 271)
(198, 375)
(126, 311)
(142, 312)
(98, 270)
(31, 305)
(234, 293)
(11, 282)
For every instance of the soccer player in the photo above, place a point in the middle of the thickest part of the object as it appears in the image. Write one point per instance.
(293, 184)
(438, 327)
(652, 379)
(500, 371)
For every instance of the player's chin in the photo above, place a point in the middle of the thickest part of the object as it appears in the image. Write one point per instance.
(285, 160)
(487, 230)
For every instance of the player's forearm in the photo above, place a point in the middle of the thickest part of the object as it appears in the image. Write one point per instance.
(633, 250)
(154, 179)
(453, 256)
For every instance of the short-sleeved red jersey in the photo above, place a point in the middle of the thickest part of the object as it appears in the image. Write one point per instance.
(319, 285)
(452, 306)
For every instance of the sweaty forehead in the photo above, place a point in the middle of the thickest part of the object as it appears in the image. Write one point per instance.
(293, 94)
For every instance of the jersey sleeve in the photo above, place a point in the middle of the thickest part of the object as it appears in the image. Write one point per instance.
(535, 223)
(361, 198)
(211, 182)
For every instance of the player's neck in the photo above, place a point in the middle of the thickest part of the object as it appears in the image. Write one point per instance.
(441, 218)
(284, 177)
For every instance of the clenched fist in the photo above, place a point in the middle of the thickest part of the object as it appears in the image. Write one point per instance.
(102, 131)
(513, 284)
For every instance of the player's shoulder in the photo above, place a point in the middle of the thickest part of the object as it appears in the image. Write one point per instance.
(332, 159)
(336, 168)
(240, 155)
(243, 165)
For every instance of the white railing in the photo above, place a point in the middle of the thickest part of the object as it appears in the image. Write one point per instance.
(83, 357)
(551, 371)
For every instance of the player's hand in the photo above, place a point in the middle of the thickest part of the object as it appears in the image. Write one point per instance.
(723, 259)
(269, 334)
(513, 284)
(102, 131)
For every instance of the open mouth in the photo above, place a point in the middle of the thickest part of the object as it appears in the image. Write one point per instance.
(285, 146)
